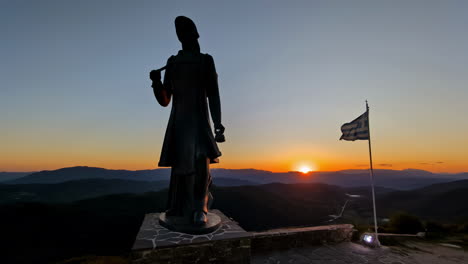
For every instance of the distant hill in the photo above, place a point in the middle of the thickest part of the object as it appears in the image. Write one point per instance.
(443, 201)
(70, 191)
(366, 190)
(420, 201)
(8, 176)
(83, 172)
(443, 187)
(394, 179)
(74, 190)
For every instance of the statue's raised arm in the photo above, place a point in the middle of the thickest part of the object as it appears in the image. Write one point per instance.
(162, 92)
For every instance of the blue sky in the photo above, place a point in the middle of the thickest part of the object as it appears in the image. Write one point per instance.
(75, 87)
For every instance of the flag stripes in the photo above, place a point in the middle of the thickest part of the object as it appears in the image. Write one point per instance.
(358, 129)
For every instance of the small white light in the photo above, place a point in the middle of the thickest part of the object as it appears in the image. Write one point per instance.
(368, 238)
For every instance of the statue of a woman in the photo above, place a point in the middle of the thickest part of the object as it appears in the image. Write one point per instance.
(189, 145)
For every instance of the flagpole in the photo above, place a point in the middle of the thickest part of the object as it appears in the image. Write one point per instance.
(372, 179)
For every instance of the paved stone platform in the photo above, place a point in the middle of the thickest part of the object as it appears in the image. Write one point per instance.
(152, 235)
(353, 253)
(229, 243)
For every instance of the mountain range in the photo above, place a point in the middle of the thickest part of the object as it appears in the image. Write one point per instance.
(6, 176)
(69, 191)
(437, 197)
(395, 179)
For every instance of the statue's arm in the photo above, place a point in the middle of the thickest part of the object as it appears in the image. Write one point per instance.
(162, 94)
(162, 91)
(213, 97)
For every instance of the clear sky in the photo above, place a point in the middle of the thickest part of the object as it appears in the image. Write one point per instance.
(75, 89)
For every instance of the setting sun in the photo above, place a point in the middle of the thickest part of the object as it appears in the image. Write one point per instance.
(305, 169)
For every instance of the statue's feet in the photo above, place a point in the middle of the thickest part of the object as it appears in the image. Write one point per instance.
(199, 218)
(173, 212)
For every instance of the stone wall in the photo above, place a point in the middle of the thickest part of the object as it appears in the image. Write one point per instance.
(280, 239)
(221, 251)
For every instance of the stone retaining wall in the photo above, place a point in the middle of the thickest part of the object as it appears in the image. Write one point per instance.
(221, 251)
(280, 239)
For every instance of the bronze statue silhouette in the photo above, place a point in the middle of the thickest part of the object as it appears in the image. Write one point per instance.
(189, 146)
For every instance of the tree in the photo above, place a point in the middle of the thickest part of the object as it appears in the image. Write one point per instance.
(405, 223)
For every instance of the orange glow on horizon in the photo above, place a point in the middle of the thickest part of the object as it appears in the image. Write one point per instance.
(300, 163)
(305, 169)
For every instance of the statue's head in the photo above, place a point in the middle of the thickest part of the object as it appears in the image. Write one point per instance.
(186, 29)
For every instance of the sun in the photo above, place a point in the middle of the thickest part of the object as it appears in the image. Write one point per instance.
(305, 169)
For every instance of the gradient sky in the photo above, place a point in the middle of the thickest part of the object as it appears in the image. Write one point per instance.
(75, 88)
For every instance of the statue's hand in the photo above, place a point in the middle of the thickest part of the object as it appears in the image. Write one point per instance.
(219, 133)
(155, 75)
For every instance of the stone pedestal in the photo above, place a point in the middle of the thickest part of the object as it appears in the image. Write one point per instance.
(181, 224)
(228, 243)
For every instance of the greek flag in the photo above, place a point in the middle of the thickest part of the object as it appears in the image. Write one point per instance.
(358, 129)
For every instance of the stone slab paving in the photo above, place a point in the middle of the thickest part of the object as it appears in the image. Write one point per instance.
(152, 235)
(353, 253)
(229, 244)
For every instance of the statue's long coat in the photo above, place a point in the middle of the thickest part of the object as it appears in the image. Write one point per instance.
(191, 77)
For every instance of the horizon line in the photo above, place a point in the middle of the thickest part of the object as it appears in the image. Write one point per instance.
(310, 172)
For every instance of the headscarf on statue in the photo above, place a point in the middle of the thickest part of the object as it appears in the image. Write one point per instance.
(187, 34)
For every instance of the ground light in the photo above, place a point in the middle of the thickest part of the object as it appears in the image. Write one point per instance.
(370, 240)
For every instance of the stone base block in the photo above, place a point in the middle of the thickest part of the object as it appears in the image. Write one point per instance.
(229, 243)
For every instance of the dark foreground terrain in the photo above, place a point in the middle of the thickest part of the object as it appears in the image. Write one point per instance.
(33, 232)
(410, 252)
